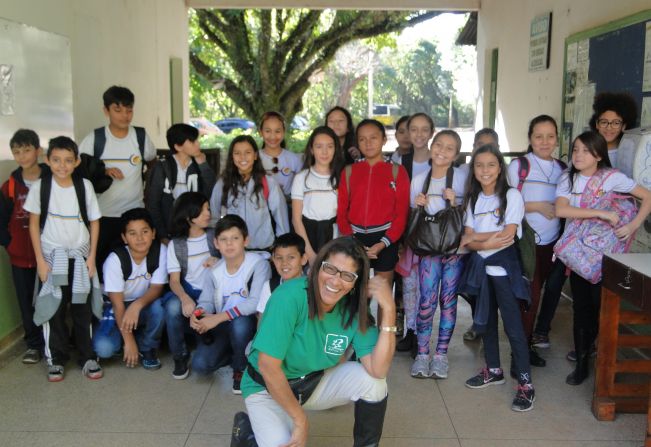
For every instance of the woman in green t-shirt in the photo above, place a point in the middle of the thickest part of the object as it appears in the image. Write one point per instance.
(306, 328)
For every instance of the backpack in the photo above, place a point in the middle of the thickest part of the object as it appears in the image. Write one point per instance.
(125, 259)
(181, 249)
(46, 189)
(585, 241)
(100, 141)
(96, 170)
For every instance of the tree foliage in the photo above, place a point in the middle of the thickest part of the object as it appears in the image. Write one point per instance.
(264, 59)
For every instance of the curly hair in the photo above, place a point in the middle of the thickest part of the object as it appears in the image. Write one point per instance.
(621, 103)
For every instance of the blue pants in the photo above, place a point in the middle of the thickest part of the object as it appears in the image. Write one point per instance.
(107, 340)
(229, 342)
(177, 324)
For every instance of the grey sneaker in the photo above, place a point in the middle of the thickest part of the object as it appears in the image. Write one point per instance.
(31, 356)
(470, 334)
(420, 368)
(438, 367)
(92, 370)
(55, 373)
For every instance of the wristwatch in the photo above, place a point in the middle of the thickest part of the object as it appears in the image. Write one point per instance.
(389, 328)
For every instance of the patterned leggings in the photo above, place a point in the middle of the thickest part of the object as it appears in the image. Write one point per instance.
(439, 278)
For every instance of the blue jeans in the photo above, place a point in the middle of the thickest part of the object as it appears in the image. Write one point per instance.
(230, 340)
(107, 340)
(177, 324)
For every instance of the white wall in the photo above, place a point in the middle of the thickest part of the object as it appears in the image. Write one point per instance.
(123, 42)
(521, 95)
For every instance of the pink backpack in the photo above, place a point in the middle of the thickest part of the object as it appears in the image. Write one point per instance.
(584, 241)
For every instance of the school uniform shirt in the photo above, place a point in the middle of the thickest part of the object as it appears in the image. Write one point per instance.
(418, 167)
(181, 185)
(64, 226)
(435, 201)
(465, 168)
(615, 182)
(539, 186)
(612, 156)
(484, 219)
(396, 157)
(254, 210)
(198, 253)
(304, 344)
(288, 165)
(121, 153)
(139, 281)
(316, 192)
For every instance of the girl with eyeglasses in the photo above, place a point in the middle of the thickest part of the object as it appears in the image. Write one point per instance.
(296, 359)
(277, 161)
(493, 273)
(247, 191)
(613, 113)
(314, 192)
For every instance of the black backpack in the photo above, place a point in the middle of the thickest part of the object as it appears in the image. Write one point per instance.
(100, 141)
(125, 259)
(93, 168)
(46, 190)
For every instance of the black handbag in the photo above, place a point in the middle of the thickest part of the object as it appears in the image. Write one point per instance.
(438, 234)
(302, 387)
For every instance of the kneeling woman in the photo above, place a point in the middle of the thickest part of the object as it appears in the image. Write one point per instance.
(305, 330)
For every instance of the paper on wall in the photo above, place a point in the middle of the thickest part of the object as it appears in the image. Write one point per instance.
(646, 79)
(645, 120)
(572, 56)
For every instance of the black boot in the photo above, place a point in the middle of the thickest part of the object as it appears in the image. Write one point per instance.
(369, 419)
(535, 359)
(582, 349)
(242, 435)
(408, 342)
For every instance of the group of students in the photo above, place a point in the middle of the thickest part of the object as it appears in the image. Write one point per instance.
(194, 260)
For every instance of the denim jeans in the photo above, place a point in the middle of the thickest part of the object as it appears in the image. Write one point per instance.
(229, 342)
(177, 324)
(107, 340)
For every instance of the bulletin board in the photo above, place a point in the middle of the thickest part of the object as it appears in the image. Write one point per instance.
(613, 57)
(35, 83)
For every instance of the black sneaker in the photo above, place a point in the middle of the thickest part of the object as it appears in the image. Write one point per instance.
(524, 398)
(484, 379)
(535, 359)
(237, 380)
(181, 367)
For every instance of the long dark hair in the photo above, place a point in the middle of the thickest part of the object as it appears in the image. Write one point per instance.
(356, 302)
(188, 206)
(349, 139)
(231, 176)
(473, 187)
(597, 146)
(337, 163)
(537, 120)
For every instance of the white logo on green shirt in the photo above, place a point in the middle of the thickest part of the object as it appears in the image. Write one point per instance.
(336, 344)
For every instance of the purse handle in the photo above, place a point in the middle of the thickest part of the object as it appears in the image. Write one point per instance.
(448, 184)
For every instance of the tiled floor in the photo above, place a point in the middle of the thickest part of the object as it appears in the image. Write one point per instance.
(142, 408)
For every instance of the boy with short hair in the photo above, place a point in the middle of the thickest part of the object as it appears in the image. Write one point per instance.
(122, 148)
(289, 259)
(229, 299)
(134, 277)
(14, 233)
(184, 169)
(64, 227)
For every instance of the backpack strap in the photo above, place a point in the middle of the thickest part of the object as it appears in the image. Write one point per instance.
(153, 257)
(274, 282)
(11, 188)
(394, 171)
(80, 190)
(46, 189)
(348, 170)
(140, 136)
(589, 195)
(523, 171)
(265, 188)
(181, 252)
(210, 238)
(125, 260)
(99, 142)
(170, 173)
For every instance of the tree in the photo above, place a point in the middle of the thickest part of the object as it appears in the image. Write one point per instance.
(263, 59)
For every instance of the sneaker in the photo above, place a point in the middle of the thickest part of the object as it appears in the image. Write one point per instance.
(31, 356)
(485, 378)
(535, 359)
(181, 367)
(540, 341)
(524, 398)
(571, 356)
(470, 334)
(150, 360)
(237, 380)
(420, 368)
(438, 367)
(55, 373)
(92, 370)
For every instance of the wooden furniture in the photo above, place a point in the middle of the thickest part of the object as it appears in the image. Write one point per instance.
(626, 277)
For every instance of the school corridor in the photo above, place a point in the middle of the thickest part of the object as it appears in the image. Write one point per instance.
(143, 408)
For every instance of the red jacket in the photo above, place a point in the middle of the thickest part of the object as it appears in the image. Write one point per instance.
(376, 201)
(14, 221)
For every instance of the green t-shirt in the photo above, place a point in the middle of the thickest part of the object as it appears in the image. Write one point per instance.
(304, 345)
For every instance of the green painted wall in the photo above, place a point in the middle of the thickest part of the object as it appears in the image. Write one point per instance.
(9, 312)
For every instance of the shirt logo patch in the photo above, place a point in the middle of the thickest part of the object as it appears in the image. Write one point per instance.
(135, 160)
(335, 344)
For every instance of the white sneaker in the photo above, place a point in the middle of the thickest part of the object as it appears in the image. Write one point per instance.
(420, 368)
(438, 367)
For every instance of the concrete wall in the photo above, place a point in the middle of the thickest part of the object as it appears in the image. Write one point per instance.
(521, 95)
(124, 42)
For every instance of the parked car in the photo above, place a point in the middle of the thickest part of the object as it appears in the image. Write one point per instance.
(227, 125)
(300, 123)
(205, 127)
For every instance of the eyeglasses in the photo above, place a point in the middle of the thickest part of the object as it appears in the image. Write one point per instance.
(614, 124)
(332, 270)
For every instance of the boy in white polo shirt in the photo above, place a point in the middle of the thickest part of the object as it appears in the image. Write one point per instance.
(134, 278)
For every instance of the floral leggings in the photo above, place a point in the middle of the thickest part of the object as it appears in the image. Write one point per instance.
(439, 279)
